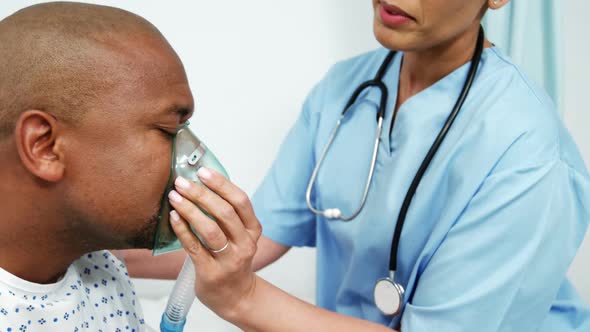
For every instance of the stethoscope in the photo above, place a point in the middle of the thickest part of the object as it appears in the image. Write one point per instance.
(389, 294)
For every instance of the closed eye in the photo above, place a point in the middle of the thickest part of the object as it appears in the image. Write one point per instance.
(184, 114)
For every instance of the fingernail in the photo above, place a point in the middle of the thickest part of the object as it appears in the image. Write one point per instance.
(174, 217)
(182, 183)
(174, 196)
(204, 173)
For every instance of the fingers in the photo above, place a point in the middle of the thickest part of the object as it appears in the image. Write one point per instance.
(222, 211)
(234, 196)
(189, 241)
(208, 229)
(224, 279)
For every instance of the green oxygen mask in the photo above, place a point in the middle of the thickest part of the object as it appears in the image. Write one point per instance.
(189, 154)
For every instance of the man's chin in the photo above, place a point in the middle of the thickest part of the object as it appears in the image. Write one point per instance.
(144, 238)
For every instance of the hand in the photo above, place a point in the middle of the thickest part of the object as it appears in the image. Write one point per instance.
(224, 280)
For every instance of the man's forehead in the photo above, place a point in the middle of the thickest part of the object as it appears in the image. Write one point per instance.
(145, 54)
(147, 68)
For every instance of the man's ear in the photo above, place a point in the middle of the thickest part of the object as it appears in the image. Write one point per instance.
(497, 4)
(36, 139)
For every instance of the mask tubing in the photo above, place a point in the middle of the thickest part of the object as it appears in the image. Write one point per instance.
(181, 299)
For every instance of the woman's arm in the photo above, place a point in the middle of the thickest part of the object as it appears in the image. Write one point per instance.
(267, 253)
(271, 309)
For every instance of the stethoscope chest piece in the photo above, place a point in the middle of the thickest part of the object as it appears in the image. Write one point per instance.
(388, 296)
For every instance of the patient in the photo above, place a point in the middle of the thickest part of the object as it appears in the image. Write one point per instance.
(89, 99)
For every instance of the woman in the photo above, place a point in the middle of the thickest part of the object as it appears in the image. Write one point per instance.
(491, 228)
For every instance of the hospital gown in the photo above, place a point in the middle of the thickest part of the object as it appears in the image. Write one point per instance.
(95, 294)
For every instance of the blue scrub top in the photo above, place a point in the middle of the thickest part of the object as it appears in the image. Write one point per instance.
(494, 224)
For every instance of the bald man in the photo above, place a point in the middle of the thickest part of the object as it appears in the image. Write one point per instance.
(90, 97)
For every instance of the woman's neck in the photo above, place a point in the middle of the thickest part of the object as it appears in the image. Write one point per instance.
(423, 68)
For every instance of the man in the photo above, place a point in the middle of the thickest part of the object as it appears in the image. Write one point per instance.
(90, 97)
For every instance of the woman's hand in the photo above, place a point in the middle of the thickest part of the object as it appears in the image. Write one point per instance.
(225, 282)
(223, 263)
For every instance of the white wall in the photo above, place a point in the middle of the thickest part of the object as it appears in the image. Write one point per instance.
(251, 64)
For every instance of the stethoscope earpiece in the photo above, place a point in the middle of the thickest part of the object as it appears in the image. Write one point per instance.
(332, 213)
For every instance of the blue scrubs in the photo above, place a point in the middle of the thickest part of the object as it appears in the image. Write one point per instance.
(494, 225)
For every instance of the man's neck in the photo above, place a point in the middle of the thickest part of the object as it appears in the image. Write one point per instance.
(33, 243)
(423, 68)
(35, 264)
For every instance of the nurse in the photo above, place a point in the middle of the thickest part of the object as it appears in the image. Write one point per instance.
(490, 230)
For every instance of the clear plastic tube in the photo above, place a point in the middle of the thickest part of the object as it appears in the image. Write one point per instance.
(181, 299)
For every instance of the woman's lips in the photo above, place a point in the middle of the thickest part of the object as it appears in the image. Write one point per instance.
(393, 16)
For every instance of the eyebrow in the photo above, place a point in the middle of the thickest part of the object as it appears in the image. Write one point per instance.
(180, 110)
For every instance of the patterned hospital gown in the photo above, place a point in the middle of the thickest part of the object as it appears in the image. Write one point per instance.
(95, 294)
